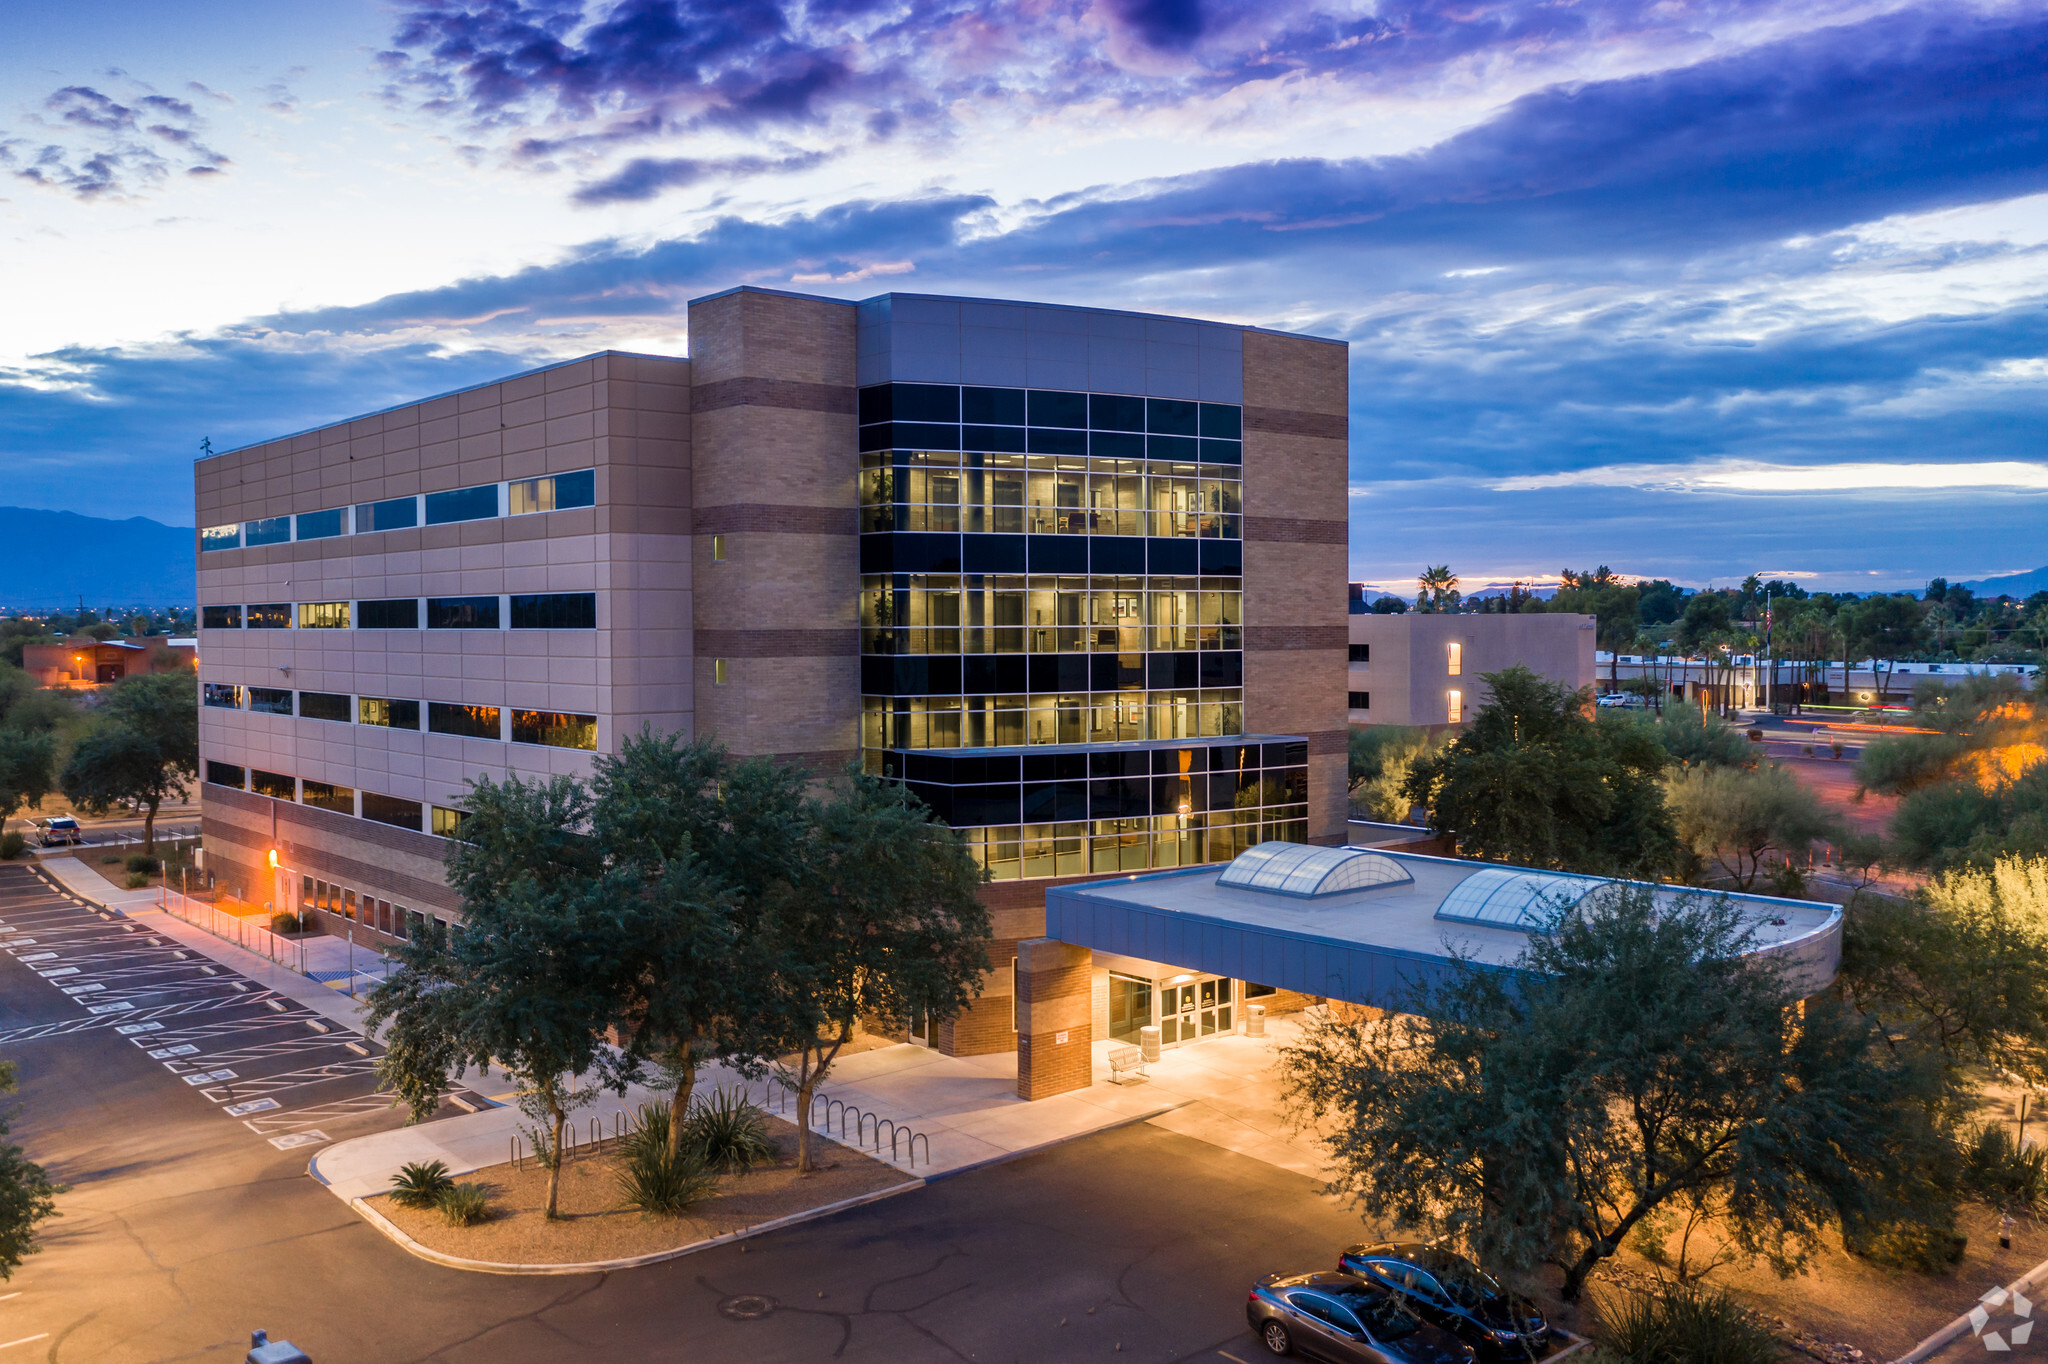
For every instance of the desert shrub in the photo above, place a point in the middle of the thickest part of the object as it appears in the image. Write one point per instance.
(111, 861)
(2000, 1174)
(729, 1133)
(291, 923)
(137, 880)
(1924, 1246)
(464, 1205)
(141, 862)
(663, 1185)
(1683, 1324)
(12, 845)
(421, 1184)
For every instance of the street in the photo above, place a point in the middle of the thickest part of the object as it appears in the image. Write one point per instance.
(191, 1219)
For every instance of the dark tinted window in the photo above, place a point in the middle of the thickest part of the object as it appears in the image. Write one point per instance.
(399, 613)
(1223, 421)
(275, 615)
(576, 490)
(470, 722)
(323, 705)
(462, 613)
(274, 784)
(221, 694)
(220, 617)
(388, 714)
(271, 530)
(1361, 653)
(340, 799)
(925, 402)
(874, 404)
(555, 611)
(1360, 700)
(406, 814)
(224, 774)
(995, 406)
(320, 525)
(1113, 412)
(1170, 417)
(220, 537)
(1058, 409)
(270, 700)
(400, 513)
(463, 504)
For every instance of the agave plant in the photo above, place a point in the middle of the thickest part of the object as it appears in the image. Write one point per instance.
(464, 1204)
(729, 1132)
(421, 1184)
(660, 1184)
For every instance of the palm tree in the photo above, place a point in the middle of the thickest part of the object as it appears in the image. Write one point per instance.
(1439, 589)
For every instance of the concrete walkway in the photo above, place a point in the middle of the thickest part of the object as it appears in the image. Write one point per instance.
(1224, 1091)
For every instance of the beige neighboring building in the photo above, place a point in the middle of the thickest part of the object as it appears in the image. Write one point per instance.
(85, 662)
(1044, 564)
(1423, 669)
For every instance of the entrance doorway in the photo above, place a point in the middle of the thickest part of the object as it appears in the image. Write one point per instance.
(1130, 1007)
(1192, 1009)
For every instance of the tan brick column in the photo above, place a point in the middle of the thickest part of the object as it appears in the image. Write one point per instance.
(1053, 1033)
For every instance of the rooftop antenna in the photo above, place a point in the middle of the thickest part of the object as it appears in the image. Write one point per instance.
(205, 446)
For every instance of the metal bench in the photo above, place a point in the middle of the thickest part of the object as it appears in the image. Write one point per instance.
(1126, 1064)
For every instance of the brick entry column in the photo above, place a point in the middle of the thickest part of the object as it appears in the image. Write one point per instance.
(1053, 1015)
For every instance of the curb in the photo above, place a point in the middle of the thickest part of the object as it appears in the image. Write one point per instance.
(1009, 1156)
(412, 1247)
(1956, 1329)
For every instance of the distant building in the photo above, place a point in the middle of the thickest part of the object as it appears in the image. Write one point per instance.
(89, 662)
(1750, 683)
(1424, 669)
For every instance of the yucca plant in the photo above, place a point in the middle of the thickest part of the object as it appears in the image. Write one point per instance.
(420, 1184)
(729, 1132)
(1676, 1323)
(464, 1204)
(660, 1184)
(1997, 1170)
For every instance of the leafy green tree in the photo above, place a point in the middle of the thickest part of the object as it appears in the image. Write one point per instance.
(1601, 594)
(1659, 602)
(1740, 818)
(144, 747)
(1706, 618)
(27, 761)
(1533, 780)
(878, 918)
(701, 841)
(27, 1196)
(1886, 629)
(1694, 738)
(1634, 1061)
(1380, 756)
(530, 980)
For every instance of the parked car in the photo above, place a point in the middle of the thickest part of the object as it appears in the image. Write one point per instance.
(1449, 1291)
(1346, 1319)
(59, 830)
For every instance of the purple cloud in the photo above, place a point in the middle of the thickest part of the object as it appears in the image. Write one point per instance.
(102, 148)
(646, 177)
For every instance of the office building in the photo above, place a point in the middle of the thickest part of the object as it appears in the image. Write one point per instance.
(1425, 668)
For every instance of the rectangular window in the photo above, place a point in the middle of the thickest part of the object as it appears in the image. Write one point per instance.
(321, 525)
(401, 919)
(1454, 703)
(554, 729)
(1454, 659)
(403, 814)
(557, 493)
(718, 672)
(275, 615)
(270, 700)
(220, 537)
(462, 613)
(271, 530)
(1361, 700)
(555, 611)
(340, 799)
(323, 615)
(447, 822)
(224, 774)
(718, 549)
(348, 904)
(221, 694)
(469, 722)
(1361, 653)
(398, 613)
(463, 504)
(324, 705)
(220, 617)
(386, 713)
(400, 513)
(273, 784)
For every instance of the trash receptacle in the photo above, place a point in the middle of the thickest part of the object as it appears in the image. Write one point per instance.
(1255, 1021)
(1148, 1042)
(262, 1351)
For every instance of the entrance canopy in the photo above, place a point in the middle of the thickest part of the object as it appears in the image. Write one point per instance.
(1365, 925)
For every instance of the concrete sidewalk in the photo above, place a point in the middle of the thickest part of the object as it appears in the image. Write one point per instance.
(965, 1109)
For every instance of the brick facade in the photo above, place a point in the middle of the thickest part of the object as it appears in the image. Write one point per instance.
(1053, 998)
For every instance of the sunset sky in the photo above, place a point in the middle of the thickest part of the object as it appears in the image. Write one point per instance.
(1690, 289)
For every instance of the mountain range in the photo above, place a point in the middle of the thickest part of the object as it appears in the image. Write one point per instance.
(2021, 585)
(53, 558)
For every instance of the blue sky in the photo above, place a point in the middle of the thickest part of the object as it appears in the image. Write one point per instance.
(1690, 289)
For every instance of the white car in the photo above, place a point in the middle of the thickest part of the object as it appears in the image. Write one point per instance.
(59, 830)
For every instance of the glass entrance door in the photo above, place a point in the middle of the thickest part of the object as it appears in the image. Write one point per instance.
(1196, 1009)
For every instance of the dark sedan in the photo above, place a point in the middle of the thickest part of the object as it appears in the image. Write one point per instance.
(1345, 1319)
(1448, 1290)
